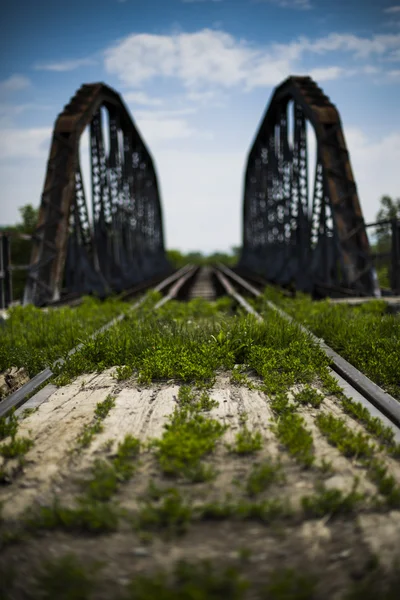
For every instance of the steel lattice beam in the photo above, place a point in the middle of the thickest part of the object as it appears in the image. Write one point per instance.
(122, 243)
(295, 231)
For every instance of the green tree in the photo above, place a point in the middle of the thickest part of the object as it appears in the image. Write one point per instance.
(389, 210)
(20, 248)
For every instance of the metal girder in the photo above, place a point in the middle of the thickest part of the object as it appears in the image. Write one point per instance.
(116, 239)
(294, 230)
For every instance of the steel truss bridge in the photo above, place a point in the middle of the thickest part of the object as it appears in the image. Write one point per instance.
(110, 237)
(296, 231)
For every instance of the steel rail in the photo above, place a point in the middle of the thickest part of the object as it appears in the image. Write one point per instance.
(230, 290)
(374, 398)
(19, 397)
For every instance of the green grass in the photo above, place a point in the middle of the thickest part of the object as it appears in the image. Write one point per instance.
(310, 396)
(331, 502)
(265, 511)
(16, 447)
(263, 476)
(190, 582)
(88, 516)
(365, 335)
(289, 584)
(34, 339)
(94, 511)
(188, 438)
(92, 429)
(176, 344)
(357, 445)
(65, 578)
(164, 511)
(298, 440)
(246, 442)
(386, 483)
(349, 443)
(8, 426)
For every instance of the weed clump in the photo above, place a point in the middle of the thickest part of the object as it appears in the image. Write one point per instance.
(309, 395)
(65, 578)
(263, 476)
(203, 582)
(298, 440)
(93, 512)
(246, 442)
(188, 438)
(338, 434)
(165, 511)
(89, 431)
(17, 447)
(330, 502)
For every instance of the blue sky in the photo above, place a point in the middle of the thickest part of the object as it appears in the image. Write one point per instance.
(197, 76)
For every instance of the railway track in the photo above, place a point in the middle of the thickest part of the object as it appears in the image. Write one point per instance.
(333, 535)
(208, 282)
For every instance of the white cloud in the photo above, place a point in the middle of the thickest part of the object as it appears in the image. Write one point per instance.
(24, 143)
(394, 75)
(360, 47)
(65, 65)
(391, 10)
(8, 112)
(156, 128)
(375, 167)
(327, 73)
(217, 59)
(15, 83)
(142, 98)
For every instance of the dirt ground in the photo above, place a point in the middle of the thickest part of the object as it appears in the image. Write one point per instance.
(338, 550)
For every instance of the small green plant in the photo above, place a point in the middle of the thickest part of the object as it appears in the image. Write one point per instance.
(263, 476)
(66, 579)
(349, 443)
(326, 467)
(103, 408)
(124, 372)
(29, 411)
(266, 511)
(309, 395)
(386, 484)
(16, 448)
(89, 431)
(200, 582)
(330, 502)
(246, 442)
(87, 516)
(94, 511)
(298, 440)
(168, 512)
(288, 584)
(8, 426)
(188, 438)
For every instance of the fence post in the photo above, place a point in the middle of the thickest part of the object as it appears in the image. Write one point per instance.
(5, 271)
(395, 270)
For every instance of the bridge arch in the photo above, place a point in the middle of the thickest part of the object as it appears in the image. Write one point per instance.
(290, 235)
(115, 239)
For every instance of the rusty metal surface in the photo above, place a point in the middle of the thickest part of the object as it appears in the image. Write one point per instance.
(294, 231)
(121, 243)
